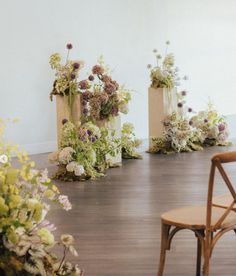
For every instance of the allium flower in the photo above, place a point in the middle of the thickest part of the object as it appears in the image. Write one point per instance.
(190, 123)
(97, 70)
(64, 121)
(91, 77)
(180, 105)
(83, 84)
(69, 46)
(183, 93)
(72, 76)
(205, 120)
(64, 201)
(76, 66)
(3, 159)
(190, 110)
(85, 110)
(87, 95)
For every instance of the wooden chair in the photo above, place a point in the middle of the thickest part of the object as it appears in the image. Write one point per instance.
(208, 222)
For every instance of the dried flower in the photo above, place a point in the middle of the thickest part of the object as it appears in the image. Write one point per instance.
(83, 84)
(76, 66)
(97, 70)
(190, 110)
(183, 93)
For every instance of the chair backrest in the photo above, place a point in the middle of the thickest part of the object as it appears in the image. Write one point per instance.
(217, 161)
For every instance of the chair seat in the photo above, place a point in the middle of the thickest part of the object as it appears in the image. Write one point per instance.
(223, 201)
(194, 217)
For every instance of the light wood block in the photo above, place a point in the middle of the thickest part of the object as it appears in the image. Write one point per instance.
(161, 102)
(64, 112)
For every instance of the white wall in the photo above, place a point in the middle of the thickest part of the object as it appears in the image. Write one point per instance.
(202, 34)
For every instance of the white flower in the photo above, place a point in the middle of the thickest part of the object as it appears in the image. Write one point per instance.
(3, 159)
(79, 170)
(64, 201)
(35, 266)
(67, 239)
(76, 168)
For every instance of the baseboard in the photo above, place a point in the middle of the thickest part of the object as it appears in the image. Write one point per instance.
(36, 148)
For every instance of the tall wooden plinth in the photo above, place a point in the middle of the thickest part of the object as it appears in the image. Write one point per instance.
(65, 111)
(161, 102)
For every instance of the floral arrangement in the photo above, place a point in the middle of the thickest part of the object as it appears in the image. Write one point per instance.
(66, 82)
(83, 151)
(129, 142)
(26, 236)
(102, 97)
(214, 128)
(184, 133)
(164, 74)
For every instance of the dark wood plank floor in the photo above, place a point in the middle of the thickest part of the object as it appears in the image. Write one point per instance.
(116, 219)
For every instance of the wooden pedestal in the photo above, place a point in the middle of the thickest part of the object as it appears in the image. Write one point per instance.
(64, 112)
(161, 102)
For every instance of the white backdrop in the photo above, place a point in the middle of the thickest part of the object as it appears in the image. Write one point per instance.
(202, 35)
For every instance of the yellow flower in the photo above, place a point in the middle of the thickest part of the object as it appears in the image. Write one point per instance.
(15, 201)
(46, 236)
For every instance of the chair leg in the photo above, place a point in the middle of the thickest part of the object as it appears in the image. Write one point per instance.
(199, 257)
(164, 241)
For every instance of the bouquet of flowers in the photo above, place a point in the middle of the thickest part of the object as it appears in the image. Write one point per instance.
(129, 142)
(66, 82)
(165, 74)
(102, 97)
(83, 151)
(26, 236)
(214, 128)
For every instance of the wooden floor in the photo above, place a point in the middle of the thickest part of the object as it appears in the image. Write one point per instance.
(116, 219)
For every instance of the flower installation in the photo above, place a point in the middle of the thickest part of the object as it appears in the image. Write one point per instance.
(185, 133)
(27, 242)
(129, 142)
(164, 74)
(102, 97)
(83, 150)
(87, 146)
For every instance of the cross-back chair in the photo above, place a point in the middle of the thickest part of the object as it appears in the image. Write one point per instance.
(208, 222)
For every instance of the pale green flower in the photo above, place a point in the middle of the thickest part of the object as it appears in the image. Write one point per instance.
(46, 236)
